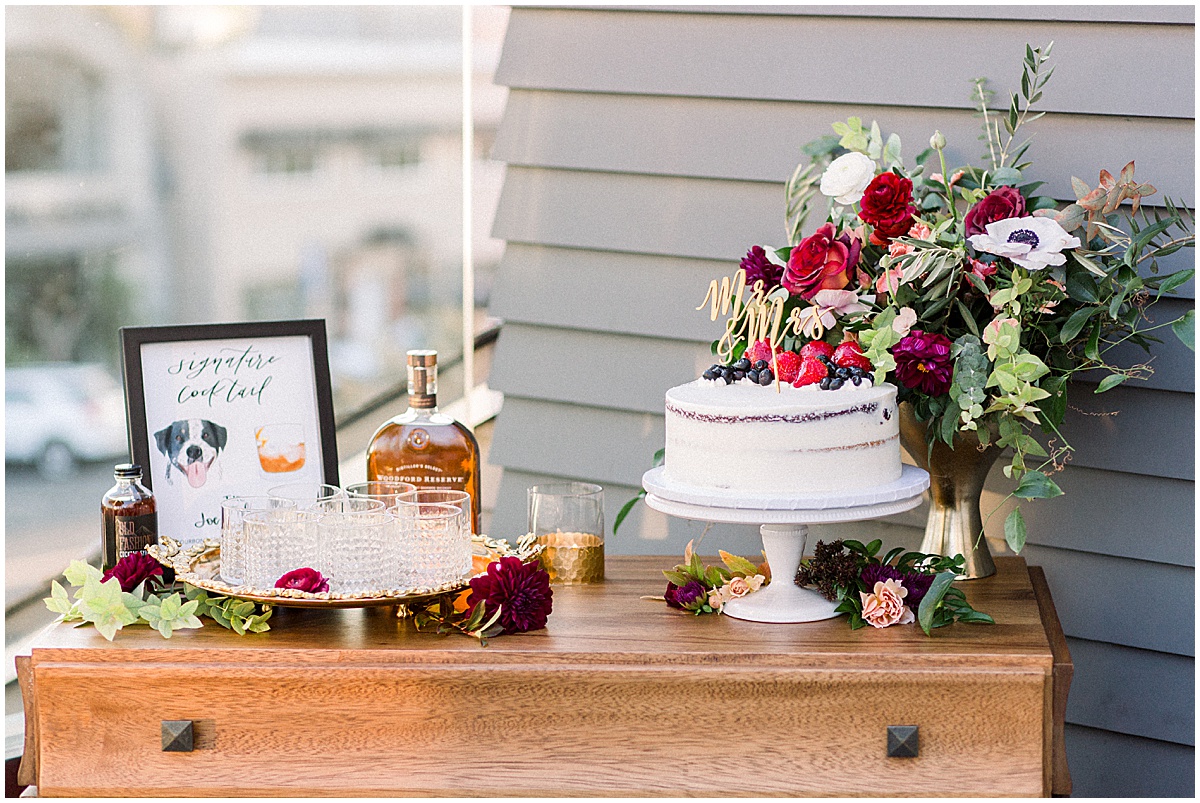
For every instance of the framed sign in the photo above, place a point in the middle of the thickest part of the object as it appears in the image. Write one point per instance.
(219, 410)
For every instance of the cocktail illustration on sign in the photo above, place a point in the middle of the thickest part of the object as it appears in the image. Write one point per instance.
(280, 447)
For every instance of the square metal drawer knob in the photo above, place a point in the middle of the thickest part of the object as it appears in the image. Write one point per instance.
(178, 736)
(903, 741)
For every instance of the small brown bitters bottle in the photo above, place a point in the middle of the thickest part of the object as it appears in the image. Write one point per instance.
(130, 516)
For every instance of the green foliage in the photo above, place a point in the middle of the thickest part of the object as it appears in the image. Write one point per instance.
(1014, 530)
(171, 613)
(105, 605)
(439, 616)
(628, 507)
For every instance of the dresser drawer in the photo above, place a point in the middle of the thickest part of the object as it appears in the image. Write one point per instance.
(560, 729)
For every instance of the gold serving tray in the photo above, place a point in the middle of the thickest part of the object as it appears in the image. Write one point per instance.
(200, 566)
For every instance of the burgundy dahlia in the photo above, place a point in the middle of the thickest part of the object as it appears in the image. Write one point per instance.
(999, 204)
(917, 584)
(520, 590)
(757, 267)
(305, 579)
(923, 362)
(132, 569)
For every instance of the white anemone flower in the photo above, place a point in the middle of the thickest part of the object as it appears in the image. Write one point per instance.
(847, 176)
(1031, 242)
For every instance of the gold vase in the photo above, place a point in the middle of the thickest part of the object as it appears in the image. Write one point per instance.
(956, 477)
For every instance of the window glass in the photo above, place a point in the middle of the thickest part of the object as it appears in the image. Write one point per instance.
(193, 164)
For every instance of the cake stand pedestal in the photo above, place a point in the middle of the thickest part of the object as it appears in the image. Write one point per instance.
(783, 523)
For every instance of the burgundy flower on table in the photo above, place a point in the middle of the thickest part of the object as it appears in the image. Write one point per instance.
(132, 569)
(821, 261)
(520, 590)
(305, 579)
(887, 206)
(923, 362)
(689, 597)
(758, 267)
(999, 204)
(917, 584)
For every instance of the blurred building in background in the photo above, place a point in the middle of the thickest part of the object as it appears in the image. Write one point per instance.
(170, 164)
(86, 241)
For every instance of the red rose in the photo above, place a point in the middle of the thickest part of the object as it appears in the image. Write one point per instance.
(887, 206)
(1000, 204)
(305, 579)
(821, 262)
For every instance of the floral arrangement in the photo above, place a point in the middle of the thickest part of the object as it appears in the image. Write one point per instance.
(885, 592)
(696, 588)
(132, 592)
(874, 591)
(979, 298)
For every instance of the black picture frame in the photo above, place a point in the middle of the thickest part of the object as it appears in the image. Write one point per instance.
(135, 338)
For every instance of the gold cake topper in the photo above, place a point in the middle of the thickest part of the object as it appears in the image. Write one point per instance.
(758, 316)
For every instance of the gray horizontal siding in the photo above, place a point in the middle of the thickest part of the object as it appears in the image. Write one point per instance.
(805, 58)
(1106, 764)
(1137, 14)
(713, 219)
(1136, 692)
(1105, 512)
(647, 149)
(760, 140)
(628, 374)
(1132, 603)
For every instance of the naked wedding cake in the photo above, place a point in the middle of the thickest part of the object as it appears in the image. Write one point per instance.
(772, 438)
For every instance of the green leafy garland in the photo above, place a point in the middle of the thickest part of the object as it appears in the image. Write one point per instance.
(102, 603)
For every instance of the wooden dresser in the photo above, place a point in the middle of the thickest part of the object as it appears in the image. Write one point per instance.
(618, 696)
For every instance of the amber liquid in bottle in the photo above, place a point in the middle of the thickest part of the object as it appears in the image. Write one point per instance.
(423, 446)
(130, 516)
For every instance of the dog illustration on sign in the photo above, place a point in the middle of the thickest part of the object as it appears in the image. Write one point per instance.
(192, 446)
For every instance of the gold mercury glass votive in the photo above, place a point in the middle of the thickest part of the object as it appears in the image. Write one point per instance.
(568, 520)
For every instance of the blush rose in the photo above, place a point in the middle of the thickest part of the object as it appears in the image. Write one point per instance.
(885, 605)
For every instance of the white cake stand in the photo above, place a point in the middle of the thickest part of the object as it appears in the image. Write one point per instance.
(783, 524)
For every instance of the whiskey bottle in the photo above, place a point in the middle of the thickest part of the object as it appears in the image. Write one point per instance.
(423, 446)
(130, 516)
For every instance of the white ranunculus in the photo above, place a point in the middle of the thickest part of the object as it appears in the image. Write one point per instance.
(1031, 242)
(847, 176)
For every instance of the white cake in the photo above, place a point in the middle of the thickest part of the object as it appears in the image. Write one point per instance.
(795, 440)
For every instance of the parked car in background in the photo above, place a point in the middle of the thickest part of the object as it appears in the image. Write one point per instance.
(57, 415)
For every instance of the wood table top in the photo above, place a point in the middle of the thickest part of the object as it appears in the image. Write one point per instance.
(604, 624)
